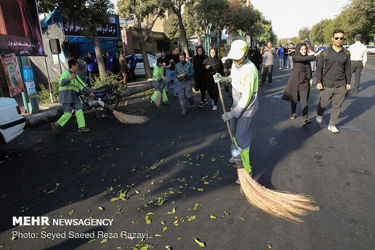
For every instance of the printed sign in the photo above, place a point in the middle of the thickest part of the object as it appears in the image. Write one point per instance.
(28, 76)
(12, 73)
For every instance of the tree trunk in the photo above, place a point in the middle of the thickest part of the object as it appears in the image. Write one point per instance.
(99, 56)
(183, 37)
(144, 55)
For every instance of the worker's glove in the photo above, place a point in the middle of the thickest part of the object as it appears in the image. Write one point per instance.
(234, 113)
(218, 78)
(227, 116)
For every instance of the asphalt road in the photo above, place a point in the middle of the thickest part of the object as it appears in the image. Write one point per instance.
(176, 162)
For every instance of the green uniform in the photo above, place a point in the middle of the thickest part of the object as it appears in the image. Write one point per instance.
(158, 83)
(68, 97)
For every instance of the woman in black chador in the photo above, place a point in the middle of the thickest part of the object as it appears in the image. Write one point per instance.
(213, 65)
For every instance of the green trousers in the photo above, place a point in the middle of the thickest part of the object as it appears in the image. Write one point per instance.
(79, 116)
(163, 93)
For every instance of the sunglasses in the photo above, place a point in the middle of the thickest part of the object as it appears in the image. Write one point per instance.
(337, 38)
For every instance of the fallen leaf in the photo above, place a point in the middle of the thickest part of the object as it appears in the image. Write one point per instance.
(90, 241)
(195, 208)
(71, 212)
(200, 243)
(173, 211)
(162, 222)
(206, 182)
(191, 218)
(103, 241)
(212, 216)
(269, 245)
(200, 189)
(101, 208)
(226, 212)
(165, 229)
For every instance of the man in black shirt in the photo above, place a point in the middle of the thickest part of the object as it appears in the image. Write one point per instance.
(170, 62)
(333, 78)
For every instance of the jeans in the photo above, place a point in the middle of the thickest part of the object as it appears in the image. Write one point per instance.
(286, 62)
(170, 74)
(281, 62)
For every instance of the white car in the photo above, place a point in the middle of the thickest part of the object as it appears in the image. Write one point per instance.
(11, 120)
(140, 69)
(370, 49)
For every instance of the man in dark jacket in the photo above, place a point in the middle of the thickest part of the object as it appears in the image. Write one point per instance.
(199, 74)
(170, 63)
(333, 76)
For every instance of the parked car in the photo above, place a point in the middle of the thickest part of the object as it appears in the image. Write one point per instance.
(370, 49)
(11, 120)
(140, 69)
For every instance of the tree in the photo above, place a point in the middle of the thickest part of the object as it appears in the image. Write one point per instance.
(304, 33)
(86, 13)
(361, 18)
(144, 13)
(177, 6)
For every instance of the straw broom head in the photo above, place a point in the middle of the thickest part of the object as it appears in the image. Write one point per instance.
(280, 204)
(129, 119)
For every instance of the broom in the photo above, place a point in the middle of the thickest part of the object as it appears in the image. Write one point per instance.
(276, 203)
(124, 118)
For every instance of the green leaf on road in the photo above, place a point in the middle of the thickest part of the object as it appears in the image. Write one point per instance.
(173, 211)
(191, 218)
(212, 216)
(90, 241)
(226, 213)
(195, 208)
(162, 222)
(71, 212)
(103, 241)
(200, 243)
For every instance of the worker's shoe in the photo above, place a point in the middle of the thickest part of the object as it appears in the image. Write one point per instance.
(333, 129)
(83, 130)
(56, 128)
(319, 119)
(235, 159)
(306, 122)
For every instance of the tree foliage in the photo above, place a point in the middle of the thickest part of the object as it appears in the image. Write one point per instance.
(86, 13)
(304, 33)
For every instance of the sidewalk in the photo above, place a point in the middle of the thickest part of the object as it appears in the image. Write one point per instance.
(50, 112)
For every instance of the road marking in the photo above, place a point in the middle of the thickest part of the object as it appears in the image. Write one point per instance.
(368, 74)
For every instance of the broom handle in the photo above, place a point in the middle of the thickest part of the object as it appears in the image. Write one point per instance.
(223, 106)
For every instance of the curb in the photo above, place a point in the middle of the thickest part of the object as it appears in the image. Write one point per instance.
(51, 114)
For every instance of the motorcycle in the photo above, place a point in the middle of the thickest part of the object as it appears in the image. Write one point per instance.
(107, 96)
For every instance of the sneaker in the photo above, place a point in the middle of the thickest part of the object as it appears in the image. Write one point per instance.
(214, 108)
(293, 116)
(306, 122)
(238, 182)
(319, 119)
(333, 129)
(55, 127)
(83, 130)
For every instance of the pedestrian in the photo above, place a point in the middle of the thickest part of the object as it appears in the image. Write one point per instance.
(108, 62)
(124, 69)
(92, 67)
(321, 47)
(333, 76)
(280, 51)
(255, 57)
(267, 64)
(291, 52)
(199, 74)
(70, 84)
(244, 79)
(133, 65)
(213, 65)
(286, 57)
(158, 81)
(312, 63)
(170, 61)
(184, 72)
(358, 56)
(298, 87)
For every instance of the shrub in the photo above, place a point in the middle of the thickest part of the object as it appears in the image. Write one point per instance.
(44, 96)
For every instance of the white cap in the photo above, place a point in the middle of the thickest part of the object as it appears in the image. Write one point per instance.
(237, 50)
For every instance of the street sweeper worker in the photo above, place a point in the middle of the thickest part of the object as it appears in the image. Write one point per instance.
(244, 80)
(70, 85)
(158, 81)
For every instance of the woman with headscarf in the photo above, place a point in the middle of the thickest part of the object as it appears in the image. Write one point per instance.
(199, 76)
(213, 65)
(298, 87)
